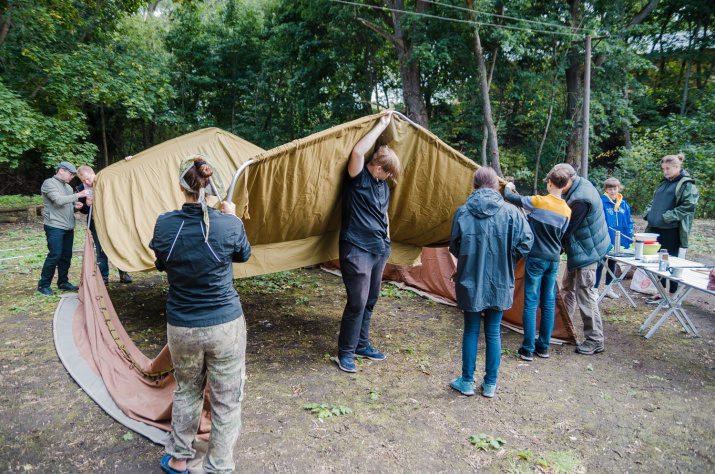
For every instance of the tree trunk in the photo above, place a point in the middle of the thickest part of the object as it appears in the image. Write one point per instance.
(485, 137)
(543, 138)
(626, 129)
(105, 154)
(6, 25)
(486, 103)
(409, 70)
(573, 93)
(684, 106)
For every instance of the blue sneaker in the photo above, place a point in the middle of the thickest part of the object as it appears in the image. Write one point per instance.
(164, 463)
(369, 352)
(347, 364)
(465, 388)
(489, 390)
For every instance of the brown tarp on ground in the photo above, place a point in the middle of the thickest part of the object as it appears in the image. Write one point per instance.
(433, 279)
(98, 334)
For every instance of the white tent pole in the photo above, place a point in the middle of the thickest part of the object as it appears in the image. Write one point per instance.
(229, 195)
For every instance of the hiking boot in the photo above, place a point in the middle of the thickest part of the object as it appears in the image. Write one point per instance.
(68, 287)
(369, 352)
(45, 290)
(347, 364)
(465, 388)
(525, 355)
(612, 294)
(589, 348)
(489, 390)
(124, 277)
(543, 353)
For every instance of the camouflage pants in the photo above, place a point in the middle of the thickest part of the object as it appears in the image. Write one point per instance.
(217, 355)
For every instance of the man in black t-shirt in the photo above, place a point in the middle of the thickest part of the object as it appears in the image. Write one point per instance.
(364, 242)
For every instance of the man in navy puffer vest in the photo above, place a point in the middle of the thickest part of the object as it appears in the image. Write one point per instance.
(586, 241)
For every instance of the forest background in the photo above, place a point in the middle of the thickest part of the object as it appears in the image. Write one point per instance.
(503, 82)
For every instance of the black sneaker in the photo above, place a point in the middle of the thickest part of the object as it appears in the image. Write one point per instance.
(589, 348)
(525, 355)
(45, 290)
(543, 353)
(124, 277)
(657, 299)
(67, 287)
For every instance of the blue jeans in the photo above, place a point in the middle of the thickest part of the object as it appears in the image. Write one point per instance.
(599, 271)
(492, 336)
(59, 256)
(539, 291)
(362, 275)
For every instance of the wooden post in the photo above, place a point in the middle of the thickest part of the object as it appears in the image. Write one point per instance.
(586, 107)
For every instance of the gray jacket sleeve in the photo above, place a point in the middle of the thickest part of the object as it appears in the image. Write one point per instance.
(53, 191)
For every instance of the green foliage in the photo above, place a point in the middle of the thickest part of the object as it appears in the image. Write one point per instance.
(324, 410)
(18, 200)
(80, 81)
(694, 136)
(486, 442)
(393, 291)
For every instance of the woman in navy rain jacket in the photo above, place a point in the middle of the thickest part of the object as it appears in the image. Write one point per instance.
(488, 236)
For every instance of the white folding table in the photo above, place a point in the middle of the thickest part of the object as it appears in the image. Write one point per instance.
(690, 280)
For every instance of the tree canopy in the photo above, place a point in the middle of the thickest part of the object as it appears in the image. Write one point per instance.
(92, 82)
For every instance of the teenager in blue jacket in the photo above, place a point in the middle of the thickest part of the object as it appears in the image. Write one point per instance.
(618, 218)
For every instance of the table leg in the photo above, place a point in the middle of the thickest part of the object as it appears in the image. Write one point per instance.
(616, 281)
(675, 305)
(663, 303)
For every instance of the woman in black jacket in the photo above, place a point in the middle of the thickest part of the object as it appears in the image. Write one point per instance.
(197, 246)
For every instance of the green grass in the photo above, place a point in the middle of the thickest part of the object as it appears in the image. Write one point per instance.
(18, 200)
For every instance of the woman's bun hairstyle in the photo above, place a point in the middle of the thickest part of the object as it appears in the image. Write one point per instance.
(673, 159)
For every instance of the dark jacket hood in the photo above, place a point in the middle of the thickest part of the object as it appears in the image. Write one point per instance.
(484, 203)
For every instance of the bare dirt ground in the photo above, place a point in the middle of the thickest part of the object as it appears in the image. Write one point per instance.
(641, 406)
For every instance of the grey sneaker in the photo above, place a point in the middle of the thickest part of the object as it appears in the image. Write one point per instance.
(465, 388)
(589, 348)
(543, 353)
(489, 390)
(525, 355)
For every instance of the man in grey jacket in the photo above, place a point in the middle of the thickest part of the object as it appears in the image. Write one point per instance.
(59, 205)
(586, 241)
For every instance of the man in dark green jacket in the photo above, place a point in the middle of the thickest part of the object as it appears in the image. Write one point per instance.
(586, 241)
(59, 205)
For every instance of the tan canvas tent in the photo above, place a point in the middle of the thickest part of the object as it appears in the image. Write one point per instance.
(292, 195)
(131, 195)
